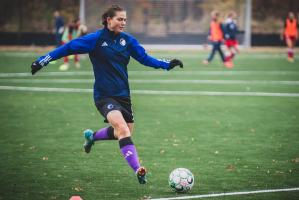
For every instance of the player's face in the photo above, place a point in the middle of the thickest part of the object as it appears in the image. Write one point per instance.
(291, 15)
(118, 22)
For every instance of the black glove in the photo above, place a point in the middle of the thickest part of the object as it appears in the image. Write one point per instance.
(35, 66)
(175, 62)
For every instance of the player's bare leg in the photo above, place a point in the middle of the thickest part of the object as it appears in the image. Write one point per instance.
(290, 46)
(128, 150)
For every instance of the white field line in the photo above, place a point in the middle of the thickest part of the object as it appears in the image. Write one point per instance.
(82, 73)
(155, 81)
(229, 194)
(157, 73)
(154, 92)
(42, 89)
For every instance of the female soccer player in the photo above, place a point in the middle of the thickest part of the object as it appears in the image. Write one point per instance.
(290, 34)
(109, 50)
(231, 31)
(216, 38)
(70, 32)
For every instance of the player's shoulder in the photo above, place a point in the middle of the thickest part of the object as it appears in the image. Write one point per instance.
(98, 33)
(128, 37)
(93, 35)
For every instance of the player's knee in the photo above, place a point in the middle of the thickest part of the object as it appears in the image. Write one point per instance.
(131, 127)
(122, 129)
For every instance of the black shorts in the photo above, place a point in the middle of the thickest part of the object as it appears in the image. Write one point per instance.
(123, 104)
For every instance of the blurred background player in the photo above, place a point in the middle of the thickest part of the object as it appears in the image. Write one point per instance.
(290, 34)
(231, 30)
(71, 32)
(82, 30)
(110, 50)
(216, 38)
(59, 27)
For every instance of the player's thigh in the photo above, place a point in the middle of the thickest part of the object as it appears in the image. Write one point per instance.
(117, 121)
(289, 42)
(236, 48)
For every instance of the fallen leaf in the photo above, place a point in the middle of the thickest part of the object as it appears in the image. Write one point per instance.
(230, 168)
(32, 147)
(45, 158)
(78, 189)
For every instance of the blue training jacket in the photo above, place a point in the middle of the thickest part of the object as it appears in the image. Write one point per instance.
(230, 30)
(109, 55)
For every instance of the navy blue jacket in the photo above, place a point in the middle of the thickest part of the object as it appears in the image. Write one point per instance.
(109, 55)
(230, 30)
(58, 23)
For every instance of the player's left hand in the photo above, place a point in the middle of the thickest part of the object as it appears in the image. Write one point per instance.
(35, 66)
(175, 62)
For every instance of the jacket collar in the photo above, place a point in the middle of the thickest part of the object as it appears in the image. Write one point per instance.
(109, 33)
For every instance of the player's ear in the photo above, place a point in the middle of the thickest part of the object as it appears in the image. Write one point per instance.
(109, 19)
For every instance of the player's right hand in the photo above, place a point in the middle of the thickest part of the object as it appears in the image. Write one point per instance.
(35, 66)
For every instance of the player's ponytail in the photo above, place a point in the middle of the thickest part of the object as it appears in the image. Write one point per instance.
(110, 12)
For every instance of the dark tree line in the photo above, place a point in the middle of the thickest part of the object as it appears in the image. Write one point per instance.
(37, 15)
(261, 9)
(33, 15)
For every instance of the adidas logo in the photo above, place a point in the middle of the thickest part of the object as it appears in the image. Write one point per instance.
(128, 153)
(104, 44)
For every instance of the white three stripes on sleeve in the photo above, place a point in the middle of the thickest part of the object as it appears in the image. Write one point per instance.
(45, 60)
(164, 60)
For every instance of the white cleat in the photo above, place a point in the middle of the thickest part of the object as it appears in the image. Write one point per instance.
(64, 67)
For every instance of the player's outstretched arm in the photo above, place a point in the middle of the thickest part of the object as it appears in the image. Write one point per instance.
(80, 45)
(175, 62)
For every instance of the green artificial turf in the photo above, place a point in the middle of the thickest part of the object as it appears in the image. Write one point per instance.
(230, 143)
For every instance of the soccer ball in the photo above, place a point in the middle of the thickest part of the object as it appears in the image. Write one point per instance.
(181, 180)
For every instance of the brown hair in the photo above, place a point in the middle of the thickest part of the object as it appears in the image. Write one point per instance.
(232, 14)
(111, 12)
